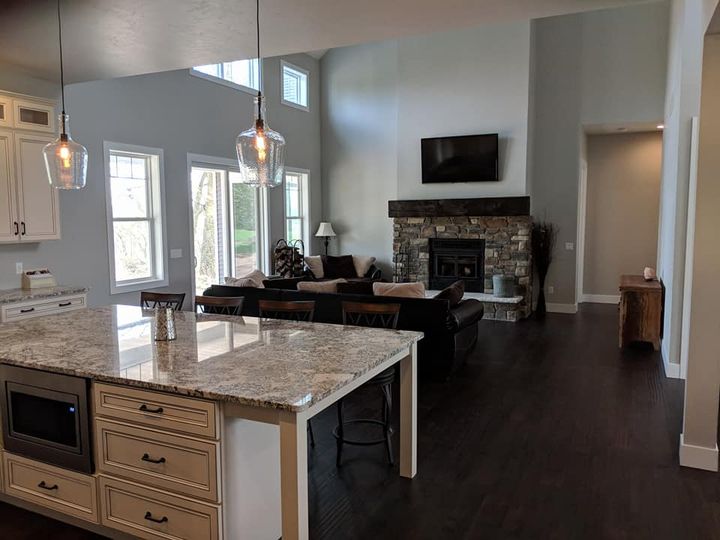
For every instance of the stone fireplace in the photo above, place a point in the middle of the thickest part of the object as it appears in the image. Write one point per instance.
(440, 241)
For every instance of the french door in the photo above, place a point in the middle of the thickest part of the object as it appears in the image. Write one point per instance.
(229, 225)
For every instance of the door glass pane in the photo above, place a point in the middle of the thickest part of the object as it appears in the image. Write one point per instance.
(244, 226)
(133, 259)
(207, 227)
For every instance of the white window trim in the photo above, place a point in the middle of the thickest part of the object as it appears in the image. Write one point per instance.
(305, 201)
(284, 63)
(160, 232)
(230, 84)
(202, 160)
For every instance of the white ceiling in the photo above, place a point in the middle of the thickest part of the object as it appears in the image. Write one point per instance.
(116, 38)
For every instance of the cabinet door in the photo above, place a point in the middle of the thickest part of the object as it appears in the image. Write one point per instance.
(38, 204)
(9, 221)
(6, 112)
(35, 116)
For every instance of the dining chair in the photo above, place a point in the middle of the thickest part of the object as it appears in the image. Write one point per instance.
(152, 300)
(220, 305)
(374, 316)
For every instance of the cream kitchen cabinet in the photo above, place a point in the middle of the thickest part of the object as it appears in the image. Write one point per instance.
(29, 206)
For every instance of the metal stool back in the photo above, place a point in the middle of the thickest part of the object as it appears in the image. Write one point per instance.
(220, 305)
(287, 311)
(152, 300)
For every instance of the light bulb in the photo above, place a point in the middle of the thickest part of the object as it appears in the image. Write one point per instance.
(260, 146)
(65, 157)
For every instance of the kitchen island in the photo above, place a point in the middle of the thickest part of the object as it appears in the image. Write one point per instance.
(211, 428)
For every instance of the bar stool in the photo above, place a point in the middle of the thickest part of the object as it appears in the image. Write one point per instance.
(220, 305)
(152, 300)
(375, 316)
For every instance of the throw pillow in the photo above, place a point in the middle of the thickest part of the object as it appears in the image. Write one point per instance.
(454, 293)
(339, 267)
(356, 287)
(320, 286)
(404, 290)
(362, 264)
(253, 279)
(315, 265)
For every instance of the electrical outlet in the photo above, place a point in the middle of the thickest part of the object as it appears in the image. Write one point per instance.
(551, 289)
(18, 268)
(569, 246)
(176, 253)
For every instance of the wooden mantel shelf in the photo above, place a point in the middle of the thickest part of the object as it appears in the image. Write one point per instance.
(486, 206)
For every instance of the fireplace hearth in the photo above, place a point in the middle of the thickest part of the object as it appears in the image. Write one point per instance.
(457, 260)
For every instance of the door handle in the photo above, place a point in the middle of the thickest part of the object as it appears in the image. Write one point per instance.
(146, 457)
(145, 408)
(17, 228)
(149, 517)
(22, 224)
(43, 485)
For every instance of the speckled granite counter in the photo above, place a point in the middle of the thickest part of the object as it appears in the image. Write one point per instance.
(249, 361)
(11, 296)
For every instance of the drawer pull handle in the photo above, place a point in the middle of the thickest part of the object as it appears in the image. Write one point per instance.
(43, 485)
(145, 408)
(22, 224)
(146, 457)
(28, 310)
(149, 517)
(64, 304)
(17, 228)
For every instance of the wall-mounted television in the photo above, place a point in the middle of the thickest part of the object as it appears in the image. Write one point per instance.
(466, 158)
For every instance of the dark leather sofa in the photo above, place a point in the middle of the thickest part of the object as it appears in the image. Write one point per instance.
(450, 333)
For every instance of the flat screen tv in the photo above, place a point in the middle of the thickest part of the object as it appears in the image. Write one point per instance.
(467, 158)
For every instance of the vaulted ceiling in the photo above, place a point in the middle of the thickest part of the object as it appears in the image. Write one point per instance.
(106, 38)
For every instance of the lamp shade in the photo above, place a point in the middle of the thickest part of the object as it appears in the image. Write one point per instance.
(325, 229)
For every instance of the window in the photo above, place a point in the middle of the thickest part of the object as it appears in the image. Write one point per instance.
(294, 86)
(241, 74)
(296, 206)
(229, 222)
(134, 188)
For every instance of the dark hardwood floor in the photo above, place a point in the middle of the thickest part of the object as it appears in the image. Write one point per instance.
(550, 431)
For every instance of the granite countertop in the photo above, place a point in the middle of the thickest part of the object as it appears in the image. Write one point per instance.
(11, 296)
(267, 363)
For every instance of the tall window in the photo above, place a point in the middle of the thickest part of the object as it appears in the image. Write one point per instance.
(296, 206)
(229, 224)
(242, 74)
(136, 233)
(294, 86)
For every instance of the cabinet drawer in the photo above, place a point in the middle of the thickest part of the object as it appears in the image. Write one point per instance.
(180, 464)
(156, 515)
(155, 409)
(67, 492)
(46, 306)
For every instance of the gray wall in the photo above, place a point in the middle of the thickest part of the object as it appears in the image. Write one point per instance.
(379, 100)
(601, 67)
(623, 195)
(181, 114)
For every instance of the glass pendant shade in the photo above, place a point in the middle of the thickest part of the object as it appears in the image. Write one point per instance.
(261, 151)
(66, 160)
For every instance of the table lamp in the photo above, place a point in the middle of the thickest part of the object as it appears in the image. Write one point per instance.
(325, 231)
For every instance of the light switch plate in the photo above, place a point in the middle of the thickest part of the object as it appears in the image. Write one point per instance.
(569, 246)
(18, 268)
(176, 253)
(551, 290)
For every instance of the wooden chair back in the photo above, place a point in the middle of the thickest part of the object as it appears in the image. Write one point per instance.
(219, 305)
(152, 300)
(288, 311)
(371, 315)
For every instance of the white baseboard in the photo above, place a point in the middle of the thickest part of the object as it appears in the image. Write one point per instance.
(561, 308)
(672, 369)
(698, 457)
(601, 298)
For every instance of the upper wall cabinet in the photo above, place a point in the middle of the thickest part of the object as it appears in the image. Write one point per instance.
(29, 206)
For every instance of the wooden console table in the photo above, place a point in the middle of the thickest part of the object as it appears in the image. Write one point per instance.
(641, 305)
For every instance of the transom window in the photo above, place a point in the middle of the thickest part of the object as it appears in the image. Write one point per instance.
(294, 86)
(296, 206)
(243, 74)
(134, 187)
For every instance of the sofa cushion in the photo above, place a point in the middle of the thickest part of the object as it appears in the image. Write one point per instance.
(404, 290)
(454, 293)
(315, 265)
(253, 279)
(362, 264)
(355, 287)
(320, 286)
(338, 267)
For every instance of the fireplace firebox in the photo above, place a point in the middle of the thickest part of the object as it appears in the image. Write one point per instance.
(453, 259)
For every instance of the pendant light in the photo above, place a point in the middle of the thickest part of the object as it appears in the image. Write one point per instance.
(260, 150)
(65, 160)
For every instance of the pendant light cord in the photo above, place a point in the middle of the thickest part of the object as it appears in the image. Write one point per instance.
(257, 27)
(62, 71)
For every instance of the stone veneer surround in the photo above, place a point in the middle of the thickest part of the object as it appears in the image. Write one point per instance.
(507, 251)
